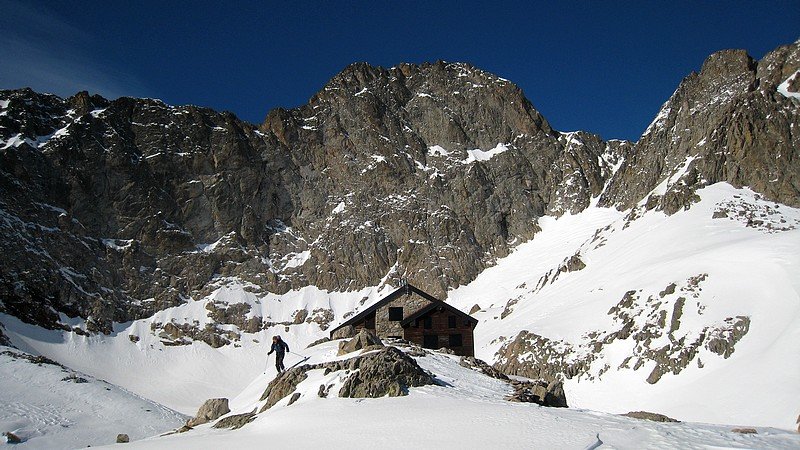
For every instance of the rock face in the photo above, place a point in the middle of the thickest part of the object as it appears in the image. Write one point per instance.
(728, 123)
(113, 210)
(363, 340)
(211, 409)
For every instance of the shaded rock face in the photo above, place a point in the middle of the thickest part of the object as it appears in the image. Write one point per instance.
(113, 210)
(365, 339)
(211, 409)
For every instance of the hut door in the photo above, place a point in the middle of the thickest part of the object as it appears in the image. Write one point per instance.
(369, 321)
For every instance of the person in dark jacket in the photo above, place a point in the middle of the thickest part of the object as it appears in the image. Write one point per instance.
(280, 348)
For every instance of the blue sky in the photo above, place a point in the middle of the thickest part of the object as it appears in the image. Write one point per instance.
(604, 67)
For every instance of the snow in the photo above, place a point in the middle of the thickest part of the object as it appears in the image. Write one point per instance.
(437, 150)
(44, 406)
(480, 155)
(783, 88)
(751, 272)
(297, 259)
(468, 406)
(339, 208)
(677, 174)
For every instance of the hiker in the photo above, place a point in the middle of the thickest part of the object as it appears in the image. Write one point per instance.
(280, 348)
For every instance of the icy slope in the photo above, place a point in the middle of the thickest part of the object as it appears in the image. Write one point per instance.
(48, 406)
(696, 280)
(466, 409)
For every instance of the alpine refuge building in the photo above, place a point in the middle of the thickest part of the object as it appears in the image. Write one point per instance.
(414, 315)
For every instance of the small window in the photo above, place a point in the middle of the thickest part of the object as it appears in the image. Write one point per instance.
(451, 322)
(416, 323)
(430, 341)
(455, 340)
(428, 323)
(396, 314)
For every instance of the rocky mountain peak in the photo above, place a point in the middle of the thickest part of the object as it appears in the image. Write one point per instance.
(726, 123)
(115, 210)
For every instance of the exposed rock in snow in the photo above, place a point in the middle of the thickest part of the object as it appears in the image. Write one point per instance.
(211, 409)
(654, 417)
(364, 340)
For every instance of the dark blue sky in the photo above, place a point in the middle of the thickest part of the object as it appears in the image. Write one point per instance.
(595, 66)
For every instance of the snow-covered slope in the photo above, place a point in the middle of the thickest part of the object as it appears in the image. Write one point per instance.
(730, 256)
(48, 406)
(466, 408)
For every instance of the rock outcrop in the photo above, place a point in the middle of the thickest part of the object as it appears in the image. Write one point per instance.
(651, 416)
(12, 438)
(364, 340)
(388, 372)
(123, 438)
(235, 421)
(540, 392)
(211, 409)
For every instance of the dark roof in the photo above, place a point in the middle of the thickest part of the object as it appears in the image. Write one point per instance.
(433, 306)
(405, 289)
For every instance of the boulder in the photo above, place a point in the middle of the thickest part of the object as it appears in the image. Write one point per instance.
(344, 333)
(283, 385)
(388, 372)
(539, 392)
(123, 438)
(745, 430)
(212, 409)
(236, 421)
(646, 415)
(362, 340)
(12, 438)
(294, 398)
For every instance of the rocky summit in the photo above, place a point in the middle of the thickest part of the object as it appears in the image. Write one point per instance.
(112, 210)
